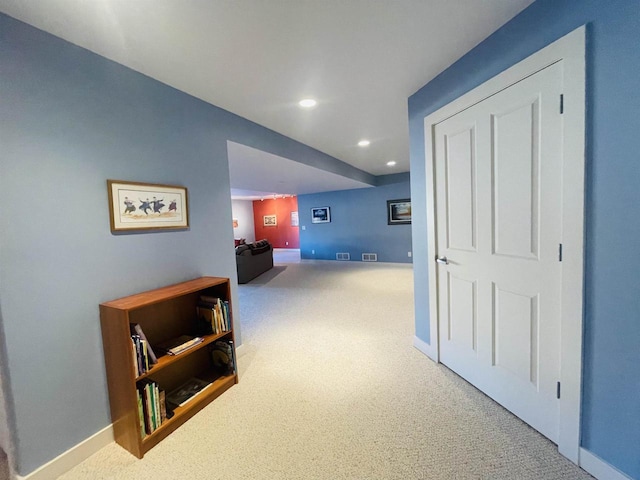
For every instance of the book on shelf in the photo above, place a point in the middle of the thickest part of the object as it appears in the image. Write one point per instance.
(180, 344)
(187, 391)
(216, 311)
(156, 404)
(147, 408)
(205, 321)
(143, 354)
(143, 430)
(136, 329)
(208, 311)
(134, 353)
(138, 350)
(150, 406)
(163, 406)
(140, 357)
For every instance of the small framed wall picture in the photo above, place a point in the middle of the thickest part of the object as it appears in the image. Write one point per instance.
(399, 212)
(320, 215)
(270, 220)
(294, 219)
(147, 206)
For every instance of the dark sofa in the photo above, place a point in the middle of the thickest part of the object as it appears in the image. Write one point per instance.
(253, 259)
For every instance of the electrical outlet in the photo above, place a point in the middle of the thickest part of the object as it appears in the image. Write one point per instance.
(286, 243)
(304, 227)
(409, 254)
(313, 252)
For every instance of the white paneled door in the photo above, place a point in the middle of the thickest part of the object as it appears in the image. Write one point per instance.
(498, 187)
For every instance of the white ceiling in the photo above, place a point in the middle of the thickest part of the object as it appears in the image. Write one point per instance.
(361, 59)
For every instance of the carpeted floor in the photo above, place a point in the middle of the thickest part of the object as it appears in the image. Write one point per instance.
(331, 388)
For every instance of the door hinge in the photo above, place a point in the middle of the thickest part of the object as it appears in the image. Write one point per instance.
(561, 103)
(560, 252)
(558, 391)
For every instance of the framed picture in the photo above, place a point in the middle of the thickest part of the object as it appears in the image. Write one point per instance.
(147, 206)
(399, 211)
(294, 219)
(235, 223)
(270, 220)
(320, 215)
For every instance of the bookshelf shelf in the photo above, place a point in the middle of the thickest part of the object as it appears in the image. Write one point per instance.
(167, 360)
(163, 314)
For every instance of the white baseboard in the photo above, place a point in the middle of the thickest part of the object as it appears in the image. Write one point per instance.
(599, 468)
(240, 350)
(425, 348)
(72, 457)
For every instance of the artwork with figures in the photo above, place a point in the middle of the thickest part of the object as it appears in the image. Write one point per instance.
(146, 206)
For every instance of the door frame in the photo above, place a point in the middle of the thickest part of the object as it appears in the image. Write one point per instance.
(570, 50)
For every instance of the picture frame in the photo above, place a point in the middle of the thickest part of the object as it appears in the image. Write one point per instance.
(320, 215)
(270, 220)
(294, 219)
(399, 211)
(135, 206)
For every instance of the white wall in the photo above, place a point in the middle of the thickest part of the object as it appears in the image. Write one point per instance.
(242, 211)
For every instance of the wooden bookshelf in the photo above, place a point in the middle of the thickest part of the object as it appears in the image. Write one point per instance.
(163, 314)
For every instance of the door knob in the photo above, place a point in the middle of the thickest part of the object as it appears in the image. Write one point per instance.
(442, 260)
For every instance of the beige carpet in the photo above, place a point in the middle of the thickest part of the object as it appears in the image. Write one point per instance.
(331, 388)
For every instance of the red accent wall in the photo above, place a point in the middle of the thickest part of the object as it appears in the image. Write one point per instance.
(282, 233)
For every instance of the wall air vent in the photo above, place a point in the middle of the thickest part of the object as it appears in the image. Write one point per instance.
(369, 257)
(343, 256)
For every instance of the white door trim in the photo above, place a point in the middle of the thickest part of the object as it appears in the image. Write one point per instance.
(570, 50)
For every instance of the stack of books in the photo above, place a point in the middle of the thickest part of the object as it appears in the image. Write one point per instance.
(143, 355)
(178, 345)
(152, 409)
(187, 391)
(214, 311)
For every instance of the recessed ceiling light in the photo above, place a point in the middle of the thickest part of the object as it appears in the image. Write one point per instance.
(364, 143)
(307, 103)
(391, 163)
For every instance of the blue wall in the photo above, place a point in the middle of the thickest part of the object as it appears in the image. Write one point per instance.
(611, 382)
(70, 120)
(358, 223)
